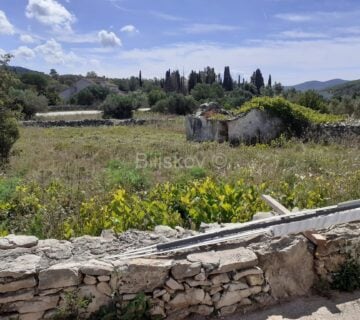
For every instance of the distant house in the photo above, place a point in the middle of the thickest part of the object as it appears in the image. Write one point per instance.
(84, 83)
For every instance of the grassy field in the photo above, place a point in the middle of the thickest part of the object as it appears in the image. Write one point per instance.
(93, 162)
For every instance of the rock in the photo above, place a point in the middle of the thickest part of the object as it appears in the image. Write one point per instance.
(20, 267)
(207, 300)
(21, 295)
(185, 269)
(266, 288)
(215, 289)
(254, 271)
(141, 275)
(17, 285)
(245, 302)
(174, 285)
(225, 261)
(255, 279)
(158, 293)
(12, 241)
(60, 276)
(103, 278)
(209, 260)
(96, 268)
(228, 310)
(201, 276)
(288, 265)
(178, 315)
(31, 316)
(55, 249)
(104, 288)
(166, 297)
(108, 234)
(202, 310)
(35, 305)
(264, 299)
(49, 292)
(216, 297)
(98, 299)
(165, 231)
(220, 279)
(193, 283)
(157, 311)
(129, 297)
(188, 298)
(235, 286)
(232, 297)
(90, 280)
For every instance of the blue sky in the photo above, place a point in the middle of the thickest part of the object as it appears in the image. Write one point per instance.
(294, 40)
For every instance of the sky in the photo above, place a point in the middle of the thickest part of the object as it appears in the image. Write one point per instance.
(293, 40)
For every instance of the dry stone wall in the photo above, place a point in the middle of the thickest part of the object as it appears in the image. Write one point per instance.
(36, 275)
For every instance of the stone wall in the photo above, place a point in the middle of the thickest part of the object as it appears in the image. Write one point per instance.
(88, 122)
(259, 126)
(36, 275)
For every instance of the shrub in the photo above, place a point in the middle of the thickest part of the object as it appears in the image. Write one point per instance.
(9, 133)
(90, 96)
(176, 104)
(348, 278)
(118, 107)
(156, 95)
(28, 102)
(204, 91)
(296, 117)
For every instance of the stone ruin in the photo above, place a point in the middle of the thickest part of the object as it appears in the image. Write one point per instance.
(255, 126)
(239, 276)
(212, 123)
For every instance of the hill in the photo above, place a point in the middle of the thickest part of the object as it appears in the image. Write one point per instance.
(22, 70)
(350, 88)
(318, 85)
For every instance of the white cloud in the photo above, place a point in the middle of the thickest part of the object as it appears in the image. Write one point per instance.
(166, 16)
(298, 34)
(5, 26)
(285, 60)
(130, 29)
(199, 28)
(51, 13)
(91, 37)
(53, 53)
(26, 38)
(108, 39)
(24, 53)
(293, 17)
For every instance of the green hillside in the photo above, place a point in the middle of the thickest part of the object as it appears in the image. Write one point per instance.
(351, 88)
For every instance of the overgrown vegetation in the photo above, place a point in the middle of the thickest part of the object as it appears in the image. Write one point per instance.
(73, 308)
(118, 107)
(65, 182)
(348, 278)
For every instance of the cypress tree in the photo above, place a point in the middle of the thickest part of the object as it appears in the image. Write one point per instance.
(167, 84)
(140, 79)
(269, 81)
(257, 80)
(228, 81)
(192, 80)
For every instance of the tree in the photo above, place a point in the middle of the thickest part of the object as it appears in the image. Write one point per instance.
(278, 89)
(193, 80)
(28, 102)
(91, 74)
(9, 131)
(36, 80)
(257, 80)
(210, 75)
(117, 107)
(269, 81)
(53, 74)
(168, 83)
(176, 104)
(227, 81)
(204, 91)
(140, 79)
(156, 95)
